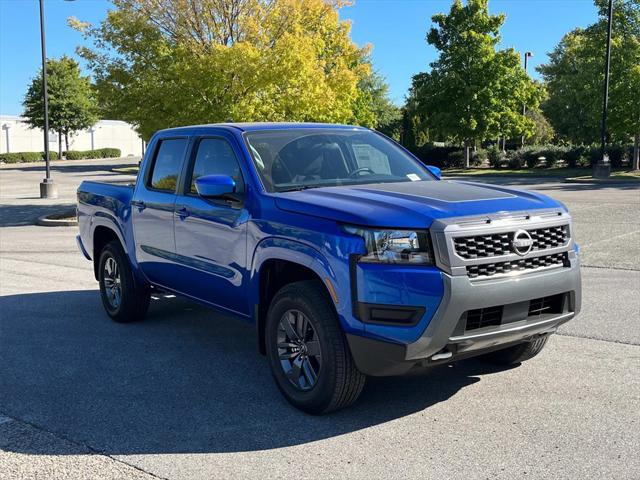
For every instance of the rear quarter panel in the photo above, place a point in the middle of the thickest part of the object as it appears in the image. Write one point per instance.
(108, 205)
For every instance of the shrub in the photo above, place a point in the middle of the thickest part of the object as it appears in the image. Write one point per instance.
(455, 159)
(575, 157)
(110, 152)
(19, 157)
(515, 159)
(497, 158)
(478, 157)
(436, 156)
(92, 154)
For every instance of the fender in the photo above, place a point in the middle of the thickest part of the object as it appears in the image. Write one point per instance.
(280, 248)
(103, 219)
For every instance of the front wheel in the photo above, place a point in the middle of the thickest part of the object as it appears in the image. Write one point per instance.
(308, 353)
(123, 299)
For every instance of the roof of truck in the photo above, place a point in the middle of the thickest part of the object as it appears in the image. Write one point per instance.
(254, 126)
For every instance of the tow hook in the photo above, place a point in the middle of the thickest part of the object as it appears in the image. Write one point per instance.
(441, 356)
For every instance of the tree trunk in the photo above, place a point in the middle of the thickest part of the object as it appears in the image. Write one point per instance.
(66, 140)
(59, 146)
(636, 153)
(467, 156)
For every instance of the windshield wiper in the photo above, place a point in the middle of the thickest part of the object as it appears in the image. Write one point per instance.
(297, 188)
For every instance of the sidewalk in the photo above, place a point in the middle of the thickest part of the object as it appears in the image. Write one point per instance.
(20, 202)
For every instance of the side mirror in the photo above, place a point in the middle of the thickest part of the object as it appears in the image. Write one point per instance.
(214, 186)
(435, 171)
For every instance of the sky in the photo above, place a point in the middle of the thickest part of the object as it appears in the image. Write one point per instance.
(395, 28)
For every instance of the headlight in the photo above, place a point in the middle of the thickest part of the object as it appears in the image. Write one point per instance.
(394, 246)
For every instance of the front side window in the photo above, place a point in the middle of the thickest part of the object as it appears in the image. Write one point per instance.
(296, 159)
(215, 157)
(167, 164)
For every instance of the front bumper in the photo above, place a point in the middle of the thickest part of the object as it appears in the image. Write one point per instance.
(446, 337)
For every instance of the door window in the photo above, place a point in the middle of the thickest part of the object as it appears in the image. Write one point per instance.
(168, 162)
(215, 157)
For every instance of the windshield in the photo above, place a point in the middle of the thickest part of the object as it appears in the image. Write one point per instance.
(297, 159)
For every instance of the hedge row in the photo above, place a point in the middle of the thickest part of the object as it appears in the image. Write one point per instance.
(98, 153)
(550, 156)
(537, 156)
(19, 157)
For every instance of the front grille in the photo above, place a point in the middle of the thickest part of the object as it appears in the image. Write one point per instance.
(496, 316)
(498, 268)
(484, 317)
(541, 306)
(497, 244)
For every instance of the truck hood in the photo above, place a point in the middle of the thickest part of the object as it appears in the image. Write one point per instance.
(409, 204)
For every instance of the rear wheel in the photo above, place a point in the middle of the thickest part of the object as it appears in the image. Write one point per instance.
(308, 353)
(123, 300)
(517, 353)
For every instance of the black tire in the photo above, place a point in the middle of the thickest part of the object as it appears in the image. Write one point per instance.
(338, 382)
(133, 299)
(517, 353)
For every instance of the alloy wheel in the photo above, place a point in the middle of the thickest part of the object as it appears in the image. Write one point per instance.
(112, 282)
(299, 350)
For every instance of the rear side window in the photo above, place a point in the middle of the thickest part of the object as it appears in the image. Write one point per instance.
(215, 157)
(168, 163)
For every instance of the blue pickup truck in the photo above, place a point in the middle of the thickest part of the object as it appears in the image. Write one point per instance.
(349, 256)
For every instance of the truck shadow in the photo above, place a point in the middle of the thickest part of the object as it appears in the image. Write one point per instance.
(186, 380)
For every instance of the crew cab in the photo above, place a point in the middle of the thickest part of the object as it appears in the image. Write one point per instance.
(350, 257)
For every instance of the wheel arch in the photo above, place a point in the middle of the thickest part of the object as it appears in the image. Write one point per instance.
(280, 262)
(103, 234)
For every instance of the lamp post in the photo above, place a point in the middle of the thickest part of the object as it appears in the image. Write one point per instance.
(603, 167)
(92, 130)
(6, 128)
(47, 188)
(527, 55)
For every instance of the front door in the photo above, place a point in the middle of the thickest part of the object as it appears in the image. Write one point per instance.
(153, 211)
(211, 234)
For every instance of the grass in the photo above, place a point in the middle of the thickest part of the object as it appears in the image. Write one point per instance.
(561, 173)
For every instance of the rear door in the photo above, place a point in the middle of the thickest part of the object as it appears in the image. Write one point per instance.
(210, 235)
(153, 210)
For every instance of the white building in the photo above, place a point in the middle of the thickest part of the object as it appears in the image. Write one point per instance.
(16, 136)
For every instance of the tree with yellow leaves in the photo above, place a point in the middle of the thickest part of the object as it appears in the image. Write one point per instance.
(161, 63)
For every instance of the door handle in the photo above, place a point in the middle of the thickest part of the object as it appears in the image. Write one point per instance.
(139, 204)
(182, 213)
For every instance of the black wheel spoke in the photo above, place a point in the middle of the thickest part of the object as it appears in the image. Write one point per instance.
(309, 372)
(286, 323)
(296, 371)
(299, 350)
(313, 348)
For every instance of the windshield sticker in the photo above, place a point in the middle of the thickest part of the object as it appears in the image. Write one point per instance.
(413, 177)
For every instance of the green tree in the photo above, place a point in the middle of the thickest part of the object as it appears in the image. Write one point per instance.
(385, 116)
(473, 91)
(574, 78)
(72, 106)
(542, 131)
(177, 62)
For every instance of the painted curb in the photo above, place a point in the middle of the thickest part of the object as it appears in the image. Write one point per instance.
(50, 220)
(598, 181)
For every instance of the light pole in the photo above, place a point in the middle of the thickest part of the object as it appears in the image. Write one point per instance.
(527, 55)
(47, 188)
(603, 167)
(6, 128)
(92, 130)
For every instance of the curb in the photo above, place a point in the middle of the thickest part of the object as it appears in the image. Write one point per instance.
(58, 219)
(604, 181)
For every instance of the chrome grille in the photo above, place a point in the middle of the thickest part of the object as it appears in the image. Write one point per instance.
(498, 244)
(499, 268)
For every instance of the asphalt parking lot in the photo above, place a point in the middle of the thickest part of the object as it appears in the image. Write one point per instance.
(185, 395)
